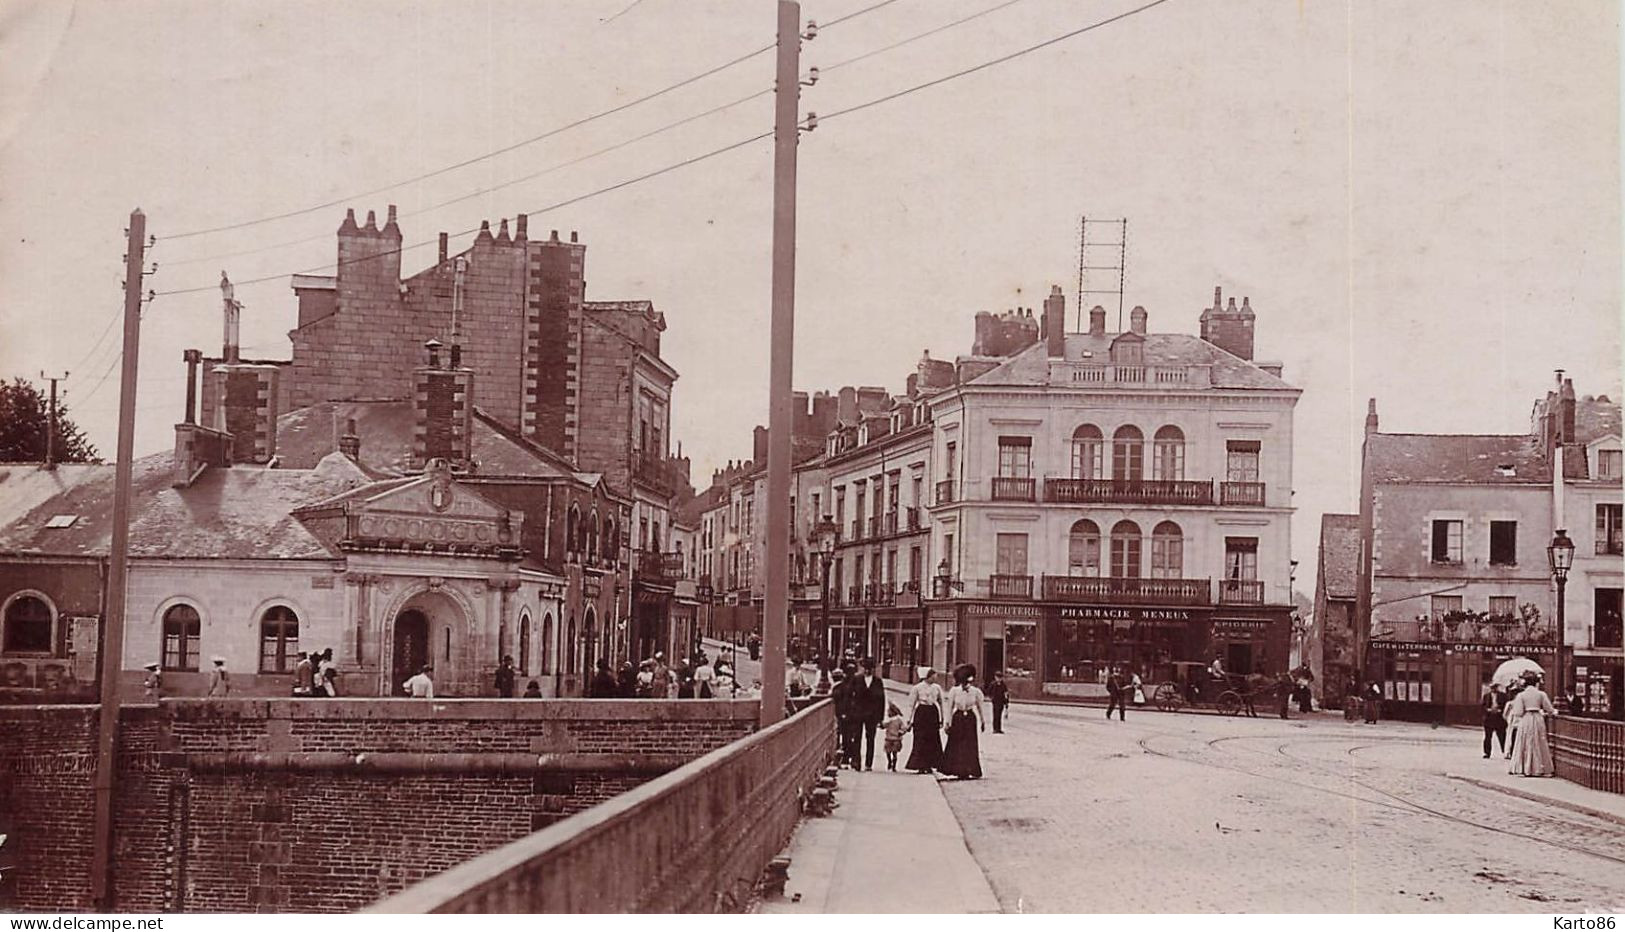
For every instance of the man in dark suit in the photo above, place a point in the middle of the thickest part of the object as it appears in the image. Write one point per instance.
(847, 716)
(1114, 696)
(870, 692)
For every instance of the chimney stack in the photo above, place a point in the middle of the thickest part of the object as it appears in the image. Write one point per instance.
(350, 442)
(1136, 320)
(1097, 321)
(444, 247)
(1565, 402)
(1371, 417)
(192, 357)
(233, 312)
(433, 346)
(521, 227)
(1055, 323)
(443, 405)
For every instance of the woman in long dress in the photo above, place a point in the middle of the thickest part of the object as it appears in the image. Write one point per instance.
(925, 722)
(966, 717)
(1533, 755)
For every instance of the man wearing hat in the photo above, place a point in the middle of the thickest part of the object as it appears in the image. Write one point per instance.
(304, 675)
(154, 682)
(219, 679)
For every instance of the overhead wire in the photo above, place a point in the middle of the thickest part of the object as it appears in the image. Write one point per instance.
(111, 320)
(915, 38)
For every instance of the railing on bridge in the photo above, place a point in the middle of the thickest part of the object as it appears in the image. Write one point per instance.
(1590, 752)
(637, 852)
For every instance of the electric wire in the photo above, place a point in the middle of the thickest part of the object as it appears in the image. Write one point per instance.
(111, 320)
(915, 38)
(103, 380)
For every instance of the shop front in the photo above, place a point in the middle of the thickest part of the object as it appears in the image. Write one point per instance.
(1084, 643)
(848, 631)
(1599, 678)
(1442, 681)
(1247, 644)
(897, 642)
(999, 637)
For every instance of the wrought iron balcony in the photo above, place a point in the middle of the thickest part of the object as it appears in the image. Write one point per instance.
(1129, 491)
(913, 518)
(879, 594)
(889, 523)
(1241, 493)
(1004, 586)
(1014, 489)
(651, 472)
(854, 595)
(1607, 547)
(1117, 590)
(1485, 629)
(1241, 592)
(945, 492)
(876, 526)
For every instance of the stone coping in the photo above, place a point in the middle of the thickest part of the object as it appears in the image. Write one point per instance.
(394, 709)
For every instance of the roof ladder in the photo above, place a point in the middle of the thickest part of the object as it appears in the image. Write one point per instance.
(1096, 251)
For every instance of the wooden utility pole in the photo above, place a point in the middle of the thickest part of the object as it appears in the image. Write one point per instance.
(111, 656)
(786, 130)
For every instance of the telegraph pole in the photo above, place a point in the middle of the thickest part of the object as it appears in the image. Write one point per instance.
(50, 421)
(786, 130)
(111, 656)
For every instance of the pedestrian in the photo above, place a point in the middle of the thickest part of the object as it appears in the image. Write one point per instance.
(644, 687)
(219, 679)
(1283, 692)
(1495, 723)
(1511, 717)
(1135, 687)
(304, 675)
(1372, 701)
(895, 725)
(505, 677)
(421, 685)
(925, 702)
(755, 646)
(1534, 754)
(1576, 703)
(664, 686)
(154, 681)
(1114, 694)
(848, 717)
(603, 684)
(871, 708)
(533, 690)
(999, 695)
(961, 759)
(704, 678)
(685, 683)
(327, 675)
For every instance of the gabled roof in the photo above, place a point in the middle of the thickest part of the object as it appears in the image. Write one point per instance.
(1031, 365)
(1456, 458)
(1339, 555)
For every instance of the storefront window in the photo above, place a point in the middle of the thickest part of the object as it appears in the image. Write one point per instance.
(1020, 649)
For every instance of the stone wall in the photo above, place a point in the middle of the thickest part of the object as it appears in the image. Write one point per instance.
(318, 805)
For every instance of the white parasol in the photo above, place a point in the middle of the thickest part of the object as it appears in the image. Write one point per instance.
(1509, 671)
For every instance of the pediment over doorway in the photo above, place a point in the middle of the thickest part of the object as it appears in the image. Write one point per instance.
(431, 513)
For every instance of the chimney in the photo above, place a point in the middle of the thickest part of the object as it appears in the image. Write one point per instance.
(521, 228)
(503, 238)
(391, 229)
(1371, 417)
(758, 446)
(350, 442)
(1136, 320)
(233, 313)
(444, 247)
(1565, 402)
(248, 409)
(192, 357)
(484, 237)
(443, 409)
(1055, 323)
(433, 346)
(1097, 321)
(1228, 327)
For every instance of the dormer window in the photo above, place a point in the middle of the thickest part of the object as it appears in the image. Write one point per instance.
(1506, 469)
(1608, 464)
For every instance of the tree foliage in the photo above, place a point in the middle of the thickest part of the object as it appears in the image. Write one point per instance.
(24, 421)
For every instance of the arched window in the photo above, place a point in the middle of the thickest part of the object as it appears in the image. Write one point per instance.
(1125, 550)
(181, 629)
(611, 541)
(30, 626)
(569, 646)
(589, 640)
(1128, 454)
(279, 640)
(1168, 454)
(547, 643)
(1167, 551)
(592, 537)
(1083, 549)
(524, 645)
(572, 531)
(1087, 446)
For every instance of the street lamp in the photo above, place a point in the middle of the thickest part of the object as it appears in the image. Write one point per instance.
(1560, 556)
(824, 535)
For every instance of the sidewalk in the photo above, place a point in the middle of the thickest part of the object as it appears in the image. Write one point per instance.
(1550, 790)
(891, 846)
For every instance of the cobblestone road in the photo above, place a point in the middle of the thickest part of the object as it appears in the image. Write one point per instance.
(1193, 813)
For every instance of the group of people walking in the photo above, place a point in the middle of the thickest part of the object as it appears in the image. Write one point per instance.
(932, 714)
(1517, 719)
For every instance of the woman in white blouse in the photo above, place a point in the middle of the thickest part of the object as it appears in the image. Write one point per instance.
(925, 717)
(1532, 755)
(967, 717)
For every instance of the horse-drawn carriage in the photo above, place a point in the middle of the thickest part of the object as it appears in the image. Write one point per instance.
(1185, 684)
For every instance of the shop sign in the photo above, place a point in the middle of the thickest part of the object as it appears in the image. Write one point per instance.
(1004, 611)
(1143, 616)
(1233, 628)
(945, 613)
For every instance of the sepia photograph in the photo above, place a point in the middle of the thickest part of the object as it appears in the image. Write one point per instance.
(1151, 459)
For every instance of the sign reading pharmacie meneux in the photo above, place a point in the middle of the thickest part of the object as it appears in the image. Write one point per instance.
(1140, 615)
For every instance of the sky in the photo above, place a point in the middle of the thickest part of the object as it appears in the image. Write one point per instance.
(1421, 199)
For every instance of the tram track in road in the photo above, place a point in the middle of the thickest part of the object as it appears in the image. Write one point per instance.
(1388, 799)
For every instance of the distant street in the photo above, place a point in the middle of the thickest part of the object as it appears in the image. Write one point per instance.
(1190, 812)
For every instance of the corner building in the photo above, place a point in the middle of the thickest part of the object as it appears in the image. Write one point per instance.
(1111, 498)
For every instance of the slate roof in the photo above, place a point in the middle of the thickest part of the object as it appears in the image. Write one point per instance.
(1339, 554)
(1456, 458)
(241, 512)
(1595, 418)
(1031, 365)
(306, 435)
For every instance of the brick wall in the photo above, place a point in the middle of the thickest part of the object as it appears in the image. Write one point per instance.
(604, 437)
(258, 805)
(554, 290)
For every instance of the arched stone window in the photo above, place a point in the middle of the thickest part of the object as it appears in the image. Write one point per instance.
(524, 644)
(182, 627)
(30, 625)
(1167, 551)
(592, 537)
(279, 640)
(570, 645)
(1125, 550)
(572, 531)
(1168, 454)
(547, 643)
(1083, 549)
(1087, 452)
(1128, 454)
(611, 542)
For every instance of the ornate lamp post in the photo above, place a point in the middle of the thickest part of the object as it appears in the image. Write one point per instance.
(1560, 556)
(824, 535)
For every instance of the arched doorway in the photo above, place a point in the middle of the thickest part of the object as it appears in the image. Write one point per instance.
(411, 648)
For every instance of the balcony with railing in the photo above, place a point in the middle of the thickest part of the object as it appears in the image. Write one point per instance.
(876, 527)
(888, 523)
(913, 518)
(854, 595)
(1241, 592)
(945, 492)
(879, 594)
(1610, 547)
(1014, 489)
(1088, 375)
(1005, 586)
(652, 472)
(1129, 491)
(1241, 493)
(1468, 627)
(1125, 591)
(660, 567)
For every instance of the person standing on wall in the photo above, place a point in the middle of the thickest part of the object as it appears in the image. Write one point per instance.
(154, 682)
(420, 686)
(219, 679)
(505, 677)
(304, 675)
(871, 695)
(999, 695)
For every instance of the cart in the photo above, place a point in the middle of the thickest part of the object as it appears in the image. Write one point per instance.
(1189, 685)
